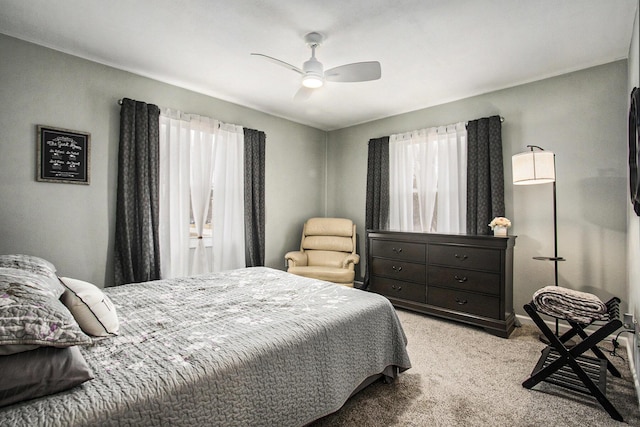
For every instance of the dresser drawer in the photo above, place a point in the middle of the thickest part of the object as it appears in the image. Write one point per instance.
(466, 302)
(399, 270)
(399, 250)
(464, 280)
(397, 289)
(465, 257)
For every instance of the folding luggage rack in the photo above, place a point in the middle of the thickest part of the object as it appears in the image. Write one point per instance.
(569, 367)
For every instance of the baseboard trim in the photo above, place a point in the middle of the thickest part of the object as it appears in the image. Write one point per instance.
(636, 380)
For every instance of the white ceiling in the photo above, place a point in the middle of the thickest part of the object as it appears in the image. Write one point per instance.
(431, 51)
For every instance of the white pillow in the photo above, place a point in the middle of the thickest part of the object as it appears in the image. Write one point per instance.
(92, 309)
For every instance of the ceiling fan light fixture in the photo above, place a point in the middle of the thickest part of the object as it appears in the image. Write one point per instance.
(312, 81)
(314, 76)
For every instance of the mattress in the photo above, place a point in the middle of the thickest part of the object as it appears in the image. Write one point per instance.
(248, 347)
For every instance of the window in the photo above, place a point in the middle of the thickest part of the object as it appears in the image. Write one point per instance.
(427, 180)
(207, 232)
(418, 213)
(195, 152)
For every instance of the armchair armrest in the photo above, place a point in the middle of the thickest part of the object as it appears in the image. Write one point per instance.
(352, 259)
(295, 259)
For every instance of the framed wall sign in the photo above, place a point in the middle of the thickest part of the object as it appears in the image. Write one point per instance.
(63, 155)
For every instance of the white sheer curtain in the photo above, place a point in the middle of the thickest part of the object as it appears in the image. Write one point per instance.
(175, 199)
(427, 180)
(452, 179)
(228, 205)
(426, 176)
(401, 174)
(198, 154)
(201, 178)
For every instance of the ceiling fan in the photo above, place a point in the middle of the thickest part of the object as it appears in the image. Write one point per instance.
(314, 76)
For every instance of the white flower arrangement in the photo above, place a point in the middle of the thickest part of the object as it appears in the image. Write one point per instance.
(500, 221)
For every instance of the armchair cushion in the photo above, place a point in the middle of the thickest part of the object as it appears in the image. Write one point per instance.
(327, 258)
(328, 243)
(329, 227)
(341, 276)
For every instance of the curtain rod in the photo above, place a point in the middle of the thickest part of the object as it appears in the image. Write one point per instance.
(159, 106)
(220, 123)
(501, 121)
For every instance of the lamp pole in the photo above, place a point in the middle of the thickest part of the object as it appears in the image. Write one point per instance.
(555, 242)
(540, 173)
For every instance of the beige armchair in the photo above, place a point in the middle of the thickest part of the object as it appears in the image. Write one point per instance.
(327, 251)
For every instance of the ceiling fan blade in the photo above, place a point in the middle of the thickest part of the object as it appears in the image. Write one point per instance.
(279, 62)
(303, 94)
(356, 72)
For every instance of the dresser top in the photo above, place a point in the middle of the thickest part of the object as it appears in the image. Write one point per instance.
(471, 239)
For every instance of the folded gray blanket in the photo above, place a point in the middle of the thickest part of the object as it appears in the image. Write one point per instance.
(563, 303)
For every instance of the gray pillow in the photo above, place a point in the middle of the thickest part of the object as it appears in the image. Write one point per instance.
(40, 372)
(35, 265)
(31, 313)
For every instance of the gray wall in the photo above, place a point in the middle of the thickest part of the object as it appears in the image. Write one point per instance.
(72, 225)
(582, 118)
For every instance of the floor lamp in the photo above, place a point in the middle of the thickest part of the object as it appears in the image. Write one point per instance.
(539, 167)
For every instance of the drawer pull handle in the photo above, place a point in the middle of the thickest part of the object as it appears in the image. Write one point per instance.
(396, 269)
(460, 257)
(460, 279)
(461, 301)
(397, 251)
(397, 288)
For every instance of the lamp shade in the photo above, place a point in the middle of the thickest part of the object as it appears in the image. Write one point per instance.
(533, 167)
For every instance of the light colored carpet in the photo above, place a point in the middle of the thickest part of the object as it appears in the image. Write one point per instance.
(463, 376)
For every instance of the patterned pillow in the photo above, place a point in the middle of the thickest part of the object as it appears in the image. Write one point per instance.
(31, 313)
(35, 265)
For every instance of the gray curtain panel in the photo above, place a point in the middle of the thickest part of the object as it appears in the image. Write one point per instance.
(254, 160)
(485, 174)
(137, 253)
(377, 203)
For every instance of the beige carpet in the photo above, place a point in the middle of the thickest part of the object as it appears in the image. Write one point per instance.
(463, 376)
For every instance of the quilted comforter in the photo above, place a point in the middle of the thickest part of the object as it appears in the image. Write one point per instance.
(249, 347)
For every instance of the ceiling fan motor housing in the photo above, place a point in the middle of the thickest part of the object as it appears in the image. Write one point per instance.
(313, 73)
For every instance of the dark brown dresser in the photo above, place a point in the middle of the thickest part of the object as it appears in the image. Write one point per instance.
(465, 278)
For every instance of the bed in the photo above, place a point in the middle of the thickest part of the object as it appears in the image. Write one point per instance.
(246, 347)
